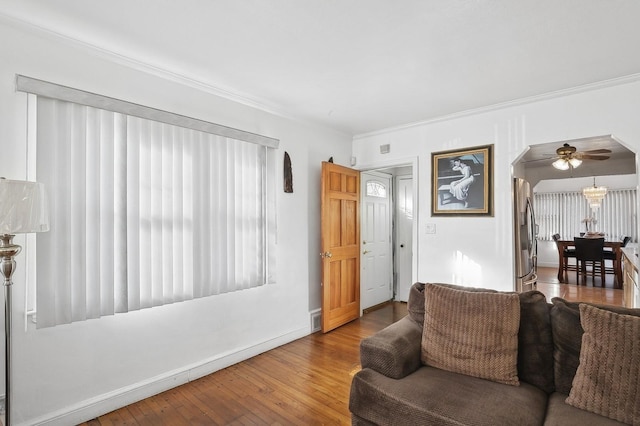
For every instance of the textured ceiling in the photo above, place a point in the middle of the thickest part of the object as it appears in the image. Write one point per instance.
(360, 65)
(538, 159)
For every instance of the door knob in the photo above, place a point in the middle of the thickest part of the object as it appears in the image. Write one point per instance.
(366, 251)
(326, 254)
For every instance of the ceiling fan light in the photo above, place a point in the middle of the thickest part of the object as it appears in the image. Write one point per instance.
(575, 162)
(561, 164)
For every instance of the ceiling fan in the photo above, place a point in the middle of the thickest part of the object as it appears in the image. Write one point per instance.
(568, 157)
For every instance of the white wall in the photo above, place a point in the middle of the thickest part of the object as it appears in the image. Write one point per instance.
(67, 374)
(478, 251)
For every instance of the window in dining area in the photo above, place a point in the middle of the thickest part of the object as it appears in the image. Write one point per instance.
(569, 214)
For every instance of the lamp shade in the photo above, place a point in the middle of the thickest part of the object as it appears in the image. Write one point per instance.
(566, 163)
(23, 207)
(575, 162)
(561, 164)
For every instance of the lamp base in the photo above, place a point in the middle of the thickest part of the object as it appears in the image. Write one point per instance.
(7, 265)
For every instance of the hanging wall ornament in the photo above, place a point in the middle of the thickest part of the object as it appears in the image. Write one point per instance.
(288, 174)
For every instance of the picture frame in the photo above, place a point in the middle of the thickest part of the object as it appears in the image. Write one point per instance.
(462, 182)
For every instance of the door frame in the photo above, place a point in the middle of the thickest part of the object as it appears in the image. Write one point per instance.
(401, 162)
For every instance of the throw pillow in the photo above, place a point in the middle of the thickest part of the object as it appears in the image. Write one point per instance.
(472, 333)
(415, 304)
(567, 338)
(608, 378)
(535, 341)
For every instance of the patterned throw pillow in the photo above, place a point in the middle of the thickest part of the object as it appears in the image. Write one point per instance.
(567, 338)
(415, 304)
(472, 333)
(608, 378)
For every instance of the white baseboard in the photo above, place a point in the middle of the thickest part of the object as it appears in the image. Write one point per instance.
(102, 404)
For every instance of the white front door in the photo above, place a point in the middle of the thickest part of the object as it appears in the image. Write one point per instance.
(404, 236)
(376, 275)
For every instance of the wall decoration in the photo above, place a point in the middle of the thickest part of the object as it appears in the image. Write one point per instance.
(288, 173)
(462, 182)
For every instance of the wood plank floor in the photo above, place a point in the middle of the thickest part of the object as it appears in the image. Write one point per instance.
(303, 382)
(549, 285)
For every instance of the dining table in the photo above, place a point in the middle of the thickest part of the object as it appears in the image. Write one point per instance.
(616, 247)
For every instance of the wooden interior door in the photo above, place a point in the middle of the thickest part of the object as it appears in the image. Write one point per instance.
(340, 249)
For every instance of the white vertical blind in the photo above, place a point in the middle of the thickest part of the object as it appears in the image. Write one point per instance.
(145, 213)
(564, 212)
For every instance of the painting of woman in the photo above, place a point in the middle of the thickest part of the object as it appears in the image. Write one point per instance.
(460, 188)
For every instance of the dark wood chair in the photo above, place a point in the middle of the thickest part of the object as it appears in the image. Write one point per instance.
(589, 250)
(610, 254)
(568, 253)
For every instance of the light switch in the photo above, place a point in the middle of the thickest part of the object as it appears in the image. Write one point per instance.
(431, 228)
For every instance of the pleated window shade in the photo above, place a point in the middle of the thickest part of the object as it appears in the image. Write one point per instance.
(563, 212)
(145, 213)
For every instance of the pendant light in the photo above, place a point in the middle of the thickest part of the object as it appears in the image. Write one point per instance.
(594, 194)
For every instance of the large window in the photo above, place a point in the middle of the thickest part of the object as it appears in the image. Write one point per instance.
(145, 213)
(565, 213)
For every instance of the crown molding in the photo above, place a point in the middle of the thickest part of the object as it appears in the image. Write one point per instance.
(158, 71)
(502, 105)
(268, 107)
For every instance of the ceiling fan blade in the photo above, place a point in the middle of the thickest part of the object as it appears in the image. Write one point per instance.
(593, 157)
(597, 151)
(540, 159)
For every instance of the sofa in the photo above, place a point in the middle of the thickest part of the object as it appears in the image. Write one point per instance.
(561, 374)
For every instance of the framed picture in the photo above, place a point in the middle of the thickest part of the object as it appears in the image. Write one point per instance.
(462, 182)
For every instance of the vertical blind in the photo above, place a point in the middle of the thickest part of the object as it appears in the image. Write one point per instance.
(564, 213)
(145, 213)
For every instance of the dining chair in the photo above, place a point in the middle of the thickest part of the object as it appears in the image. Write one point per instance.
(610, 254)
(567, 253)
(589, 250)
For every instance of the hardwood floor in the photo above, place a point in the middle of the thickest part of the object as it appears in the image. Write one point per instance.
(304, 382)
(549, 285)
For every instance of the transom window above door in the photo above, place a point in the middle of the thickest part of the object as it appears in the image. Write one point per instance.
(376, 189)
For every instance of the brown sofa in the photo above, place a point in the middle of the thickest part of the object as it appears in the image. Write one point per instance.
(395, 387)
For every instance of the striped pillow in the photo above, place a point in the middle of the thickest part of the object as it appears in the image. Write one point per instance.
(472, 333)
(607, 381)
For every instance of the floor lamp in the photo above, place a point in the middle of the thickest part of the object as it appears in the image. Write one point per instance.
(22, 210)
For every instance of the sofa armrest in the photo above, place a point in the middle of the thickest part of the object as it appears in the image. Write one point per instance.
(393, 351)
